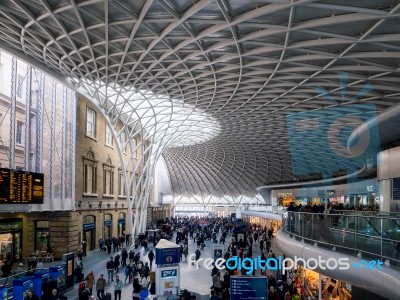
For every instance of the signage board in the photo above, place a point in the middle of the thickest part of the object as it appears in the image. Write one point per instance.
(218, 251)
(166, 256)
(396, 189)
(21, 187)
(107, 223)
(89, 225)
(10, 225)
(246, 288)
(169, 273)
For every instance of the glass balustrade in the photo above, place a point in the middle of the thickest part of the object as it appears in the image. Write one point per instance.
(369, 236)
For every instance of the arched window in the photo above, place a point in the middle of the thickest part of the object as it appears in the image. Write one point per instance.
(108, 170)
(89, 219)
(90, 173)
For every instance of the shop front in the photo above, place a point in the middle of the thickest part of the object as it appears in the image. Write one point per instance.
(284, 199)
(107, 226)
(42, 240)
(10, 240)
(121, 225)
(89, 232)
(312, 285)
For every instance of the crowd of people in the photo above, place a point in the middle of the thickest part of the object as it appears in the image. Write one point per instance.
(218, 230)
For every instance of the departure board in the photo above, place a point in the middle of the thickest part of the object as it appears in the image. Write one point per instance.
(21, 187)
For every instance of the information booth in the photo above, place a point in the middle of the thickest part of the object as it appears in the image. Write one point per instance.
(167, 271)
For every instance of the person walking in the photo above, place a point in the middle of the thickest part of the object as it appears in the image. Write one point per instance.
(185, 252)
(90, 280)
(116, 263)
(110, 269)
(127, 271)
(124, 256)
(100, 286)
(117, 288)
(150, 256)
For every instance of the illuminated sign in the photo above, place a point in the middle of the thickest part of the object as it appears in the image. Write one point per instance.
(169, 273)
(21, 187)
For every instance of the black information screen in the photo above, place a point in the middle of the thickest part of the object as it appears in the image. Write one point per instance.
(249, 288)
(21, 187)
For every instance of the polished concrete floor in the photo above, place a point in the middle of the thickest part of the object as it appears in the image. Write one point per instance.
(192, 279)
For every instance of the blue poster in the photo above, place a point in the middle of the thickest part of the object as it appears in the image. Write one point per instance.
(249, 288)
(218, 254)
(167, 256)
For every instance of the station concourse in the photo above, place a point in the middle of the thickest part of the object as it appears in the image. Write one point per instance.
(120, 118)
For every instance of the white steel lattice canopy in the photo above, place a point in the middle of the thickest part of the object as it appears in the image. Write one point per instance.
(220, 84)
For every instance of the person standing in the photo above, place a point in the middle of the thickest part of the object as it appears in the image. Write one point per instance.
(100, 286)
(46, 289)
(186, 252)
(110, 269)
(117, 288)
(150, 256)
(31, 296)
(90, 280)
(84, 245)
(124, 256)
(101, 244)
(55, 295)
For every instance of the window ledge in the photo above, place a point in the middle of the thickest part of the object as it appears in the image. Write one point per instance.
(108, 196)
(109, 146)
(90, 137)
(90, 195)
(121, 197)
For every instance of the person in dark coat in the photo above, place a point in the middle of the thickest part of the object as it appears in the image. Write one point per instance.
(31, 296)
(47, 288)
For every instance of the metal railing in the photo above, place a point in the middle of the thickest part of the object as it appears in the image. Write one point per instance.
(7, 282)
(368, 237)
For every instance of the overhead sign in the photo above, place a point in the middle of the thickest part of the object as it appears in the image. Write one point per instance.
(396, 189)
(167, 256)
(249, 288)
(218, 251)
(89, 226)
(169, 273)
(21, 187)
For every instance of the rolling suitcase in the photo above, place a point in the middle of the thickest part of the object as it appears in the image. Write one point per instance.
(107, 296)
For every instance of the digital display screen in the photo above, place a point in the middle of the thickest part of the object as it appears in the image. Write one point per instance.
(21, 187)
(249, 288)
(169, 273)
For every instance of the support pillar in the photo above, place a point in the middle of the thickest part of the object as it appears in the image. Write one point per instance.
(385, 196)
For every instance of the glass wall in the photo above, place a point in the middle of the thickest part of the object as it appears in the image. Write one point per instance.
(37, 129)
